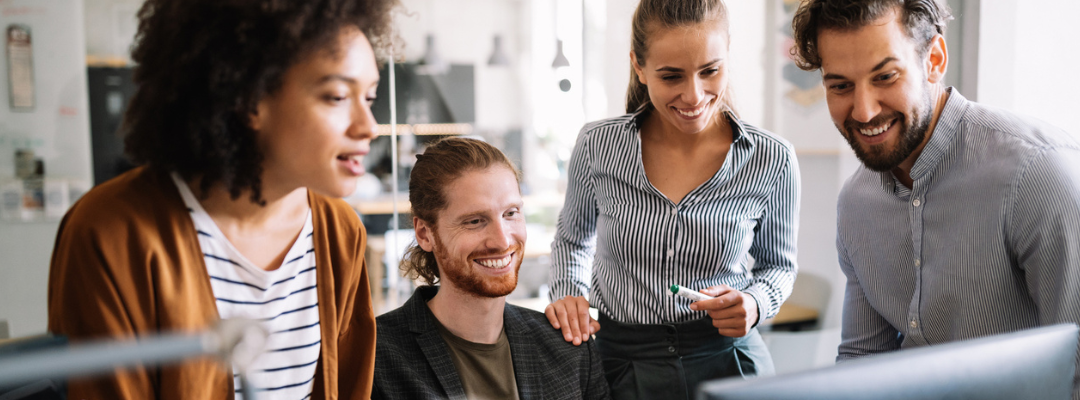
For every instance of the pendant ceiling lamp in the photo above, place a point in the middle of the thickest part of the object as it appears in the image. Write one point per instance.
(498, 58)
(432, 63)
(560, 58)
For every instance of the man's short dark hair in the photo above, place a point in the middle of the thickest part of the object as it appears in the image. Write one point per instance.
(203, 66)
(921, 19)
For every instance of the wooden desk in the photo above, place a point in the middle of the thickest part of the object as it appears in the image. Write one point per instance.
(792, 317)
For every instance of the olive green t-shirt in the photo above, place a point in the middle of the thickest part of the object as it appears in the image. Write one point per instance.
(486, 370)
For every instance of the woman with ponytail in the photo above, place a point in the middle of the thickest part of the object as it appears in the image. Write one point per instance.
(679, 191)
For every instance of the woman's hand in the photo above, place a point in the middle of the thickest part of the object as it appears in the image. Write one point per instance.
(571, 315)
(733, 312)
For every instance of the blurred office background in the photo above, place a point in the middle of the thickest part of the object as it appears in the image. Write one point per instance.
(524, 75)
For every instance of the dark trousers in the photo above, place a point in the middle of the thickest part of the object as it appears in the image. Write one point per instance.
(669, 361)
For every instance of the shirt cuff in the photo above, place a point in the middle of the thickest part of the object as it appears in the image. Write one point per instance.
(762, 310)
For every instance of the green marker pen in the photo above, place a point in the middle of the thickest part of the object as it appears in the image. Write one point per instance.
(688, 293)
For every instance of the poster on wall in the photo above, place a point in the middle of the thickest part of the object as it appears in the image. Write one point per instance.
(802, 88)
(20, 62)
(44, 110)
(798, 98)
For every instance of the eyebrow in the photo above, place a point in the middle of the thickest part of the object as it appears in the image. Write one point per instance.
(353, 82)
(877, 67)
(703, 66)
(468, 216)
(337, 77)
(480, 213)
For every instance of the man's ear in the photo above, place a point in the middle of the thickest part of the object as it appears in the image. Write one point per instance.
(425, 234)
(937, 61)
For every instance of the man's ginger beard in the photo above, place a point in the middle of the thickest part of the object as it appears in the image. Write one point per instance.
(463, 274)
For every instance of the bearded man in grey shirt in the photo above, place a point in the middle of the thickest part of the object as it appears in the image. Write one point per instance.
(964, 220)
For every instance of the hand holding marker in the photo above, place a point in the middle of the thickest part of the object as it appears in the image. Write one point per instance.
(734, 315)
(688, 293)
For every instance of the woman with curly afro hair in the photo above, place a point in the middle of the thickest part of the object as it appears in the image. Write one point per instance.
(250, 123)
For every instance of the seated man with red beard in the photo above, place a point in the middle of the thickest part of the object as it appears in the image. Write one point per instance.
(460, 339)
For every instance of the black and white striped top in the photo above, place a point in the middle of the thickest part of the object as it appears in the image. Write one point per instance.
(986, 241)
(285, 300)
(621, 242)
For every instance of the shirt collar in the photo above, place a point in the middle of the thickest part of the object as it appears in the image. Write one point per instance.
(943, 137)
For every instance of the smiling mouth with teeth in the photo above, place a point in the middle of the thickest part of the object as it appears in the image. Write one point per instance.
(496, 263)
(692, 113)
(876, 131)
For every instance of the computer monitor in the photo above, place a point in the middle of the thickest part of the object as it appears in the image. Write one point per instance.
(1032, 364)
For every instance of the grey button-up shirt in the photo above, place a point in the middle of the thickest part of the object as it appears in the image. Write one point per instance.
(986, 241)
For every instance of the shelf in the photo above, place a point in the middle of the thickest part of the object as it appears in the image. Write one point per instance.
(107, 61)
(426, 129)
(384, 204)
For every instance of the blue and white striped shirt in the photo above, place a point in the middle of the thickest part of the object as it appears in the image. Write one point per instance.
(643, 242)
(284, 300)
(986, 241)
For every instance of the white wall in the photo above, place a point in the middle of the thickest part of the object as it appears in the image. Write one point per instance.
(612, 68)
(110, 27)
(58, 130)
(1028, 57)
(748, 63)
(24, 273)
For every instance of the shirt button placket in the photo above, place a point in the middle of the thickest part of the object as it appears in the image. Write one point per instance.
(671, 250)
(914, 309)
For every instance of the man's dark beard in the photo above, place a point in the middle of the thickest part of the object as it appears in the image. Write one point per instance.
(876, 158)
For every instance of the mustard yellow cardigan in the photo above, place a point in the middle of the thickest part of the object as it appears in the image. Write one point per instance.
(127, 263)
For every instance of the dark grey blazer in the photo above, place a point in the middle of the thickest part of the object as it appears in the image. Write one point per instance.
(413, 362)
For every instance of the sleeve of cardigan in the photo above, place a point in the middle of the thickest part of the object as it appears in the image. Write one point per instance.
(356, 345)
(86, 302)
